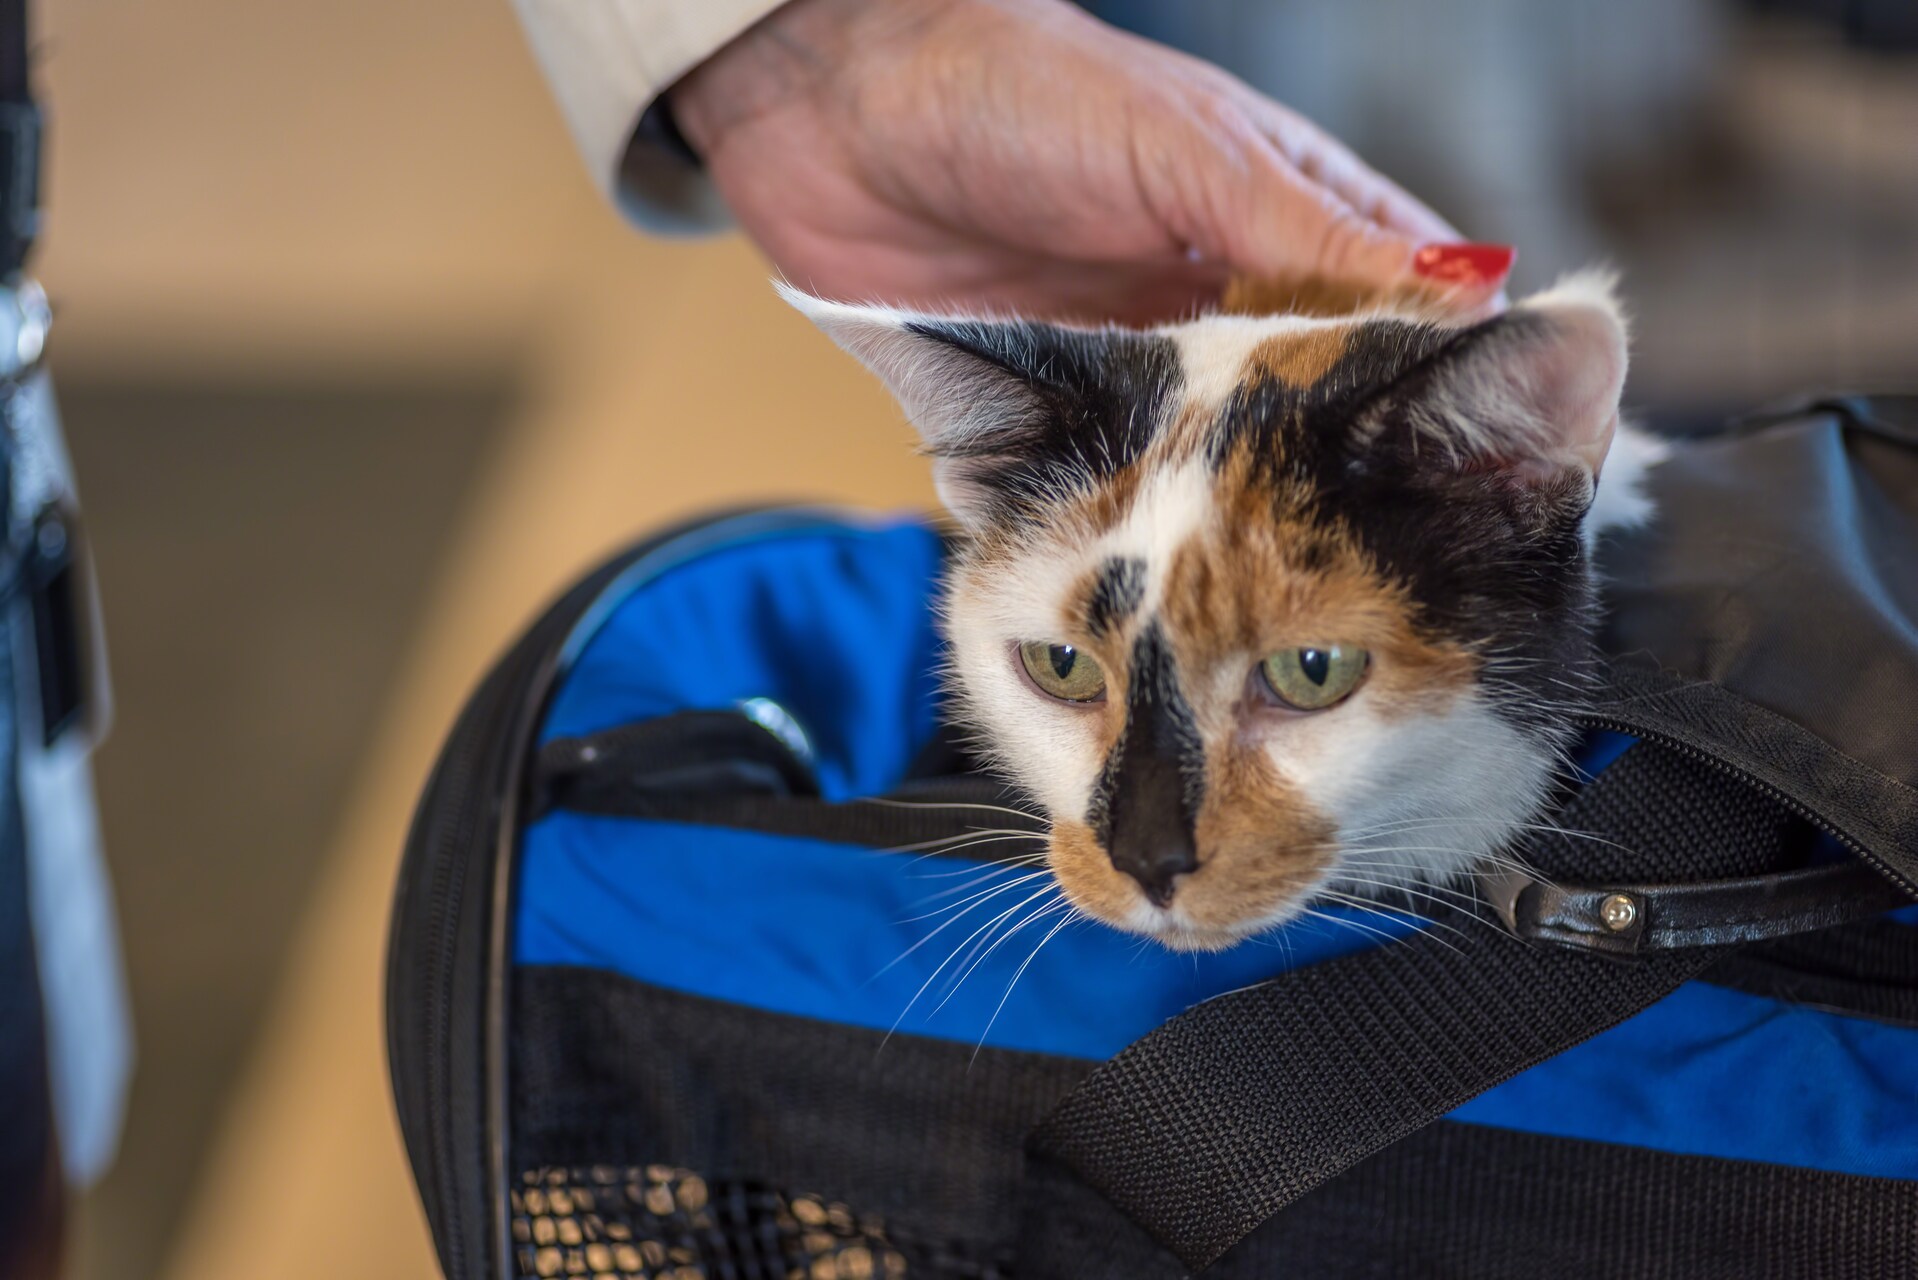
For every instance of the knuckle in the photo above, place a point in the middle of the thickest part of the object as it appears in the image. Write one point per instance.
(1342, 244)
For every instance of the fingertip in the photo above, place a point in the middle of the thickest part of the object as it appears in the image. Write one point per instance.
(1480, 266)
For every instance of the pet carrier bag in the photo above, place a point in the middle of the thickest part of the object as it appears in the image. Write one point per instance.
(704, 962)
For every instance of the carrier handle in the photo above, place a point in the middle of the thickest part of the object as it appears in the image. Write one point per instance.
(1207, 1127)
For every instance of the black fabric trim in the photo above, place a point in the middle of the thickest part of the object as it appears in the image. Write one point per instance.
(1864, 970)
(1476, 1203)
(916, 812)
(607, 1071)
(721, 755)
(1876, 814)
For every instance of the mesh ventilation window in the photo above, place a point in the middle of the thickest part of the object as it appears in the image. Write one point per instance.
(658, 1223)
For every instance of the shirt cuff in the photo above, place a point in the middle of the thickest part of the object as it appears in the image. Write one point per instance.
(607, 62)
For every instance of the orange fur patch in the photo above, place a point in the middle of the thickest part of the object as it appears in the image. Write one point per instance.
(1318, 296)
(1262, 845)
(1085, 871)
(1299, 359)
(1265, 574)
(1098, 511)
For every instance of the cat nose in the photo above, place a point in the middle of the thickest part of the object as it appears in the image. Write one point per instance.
(1155, 866)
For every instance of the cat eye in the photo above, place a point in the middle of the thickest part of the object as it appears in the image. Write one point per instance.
(1313, 678)
(1063, 671)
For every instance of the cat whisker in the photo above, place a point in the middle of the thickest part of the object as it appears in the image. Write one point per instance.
(1037, 913)
(1407, 824)
(973, 842)
(1378, 906)
(1429, 897)
(934, 975)
(1415, 848)
(1001, 887)
(1071, 916)
(1552, 828)
(948, 804)
(1024, 860)
(941, 928)
(967, 834)
(1482, 863)
(1360, 904)
(1362, 927)
(996, 873)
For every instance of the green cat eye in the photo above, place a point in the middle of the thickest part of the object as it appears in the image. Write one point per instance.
(1063, 671)
(1313, 678)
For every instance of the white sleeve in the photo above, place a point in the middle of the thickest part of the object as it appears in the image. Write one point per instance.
(607, 60)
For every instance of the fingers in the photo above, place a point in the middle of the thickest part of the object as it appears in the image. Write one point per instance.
(1310, 210)
(1327, 162)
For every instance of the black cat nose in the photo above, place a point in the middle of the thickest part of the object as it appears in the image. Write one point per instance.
(1155, 866)
(1153, 783)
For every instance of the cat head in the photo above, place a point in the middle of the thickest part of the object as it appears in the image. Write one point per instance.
(1256, 607)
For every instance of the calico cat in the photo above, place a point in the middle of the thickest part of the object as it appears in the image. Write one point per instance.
(1259, 606)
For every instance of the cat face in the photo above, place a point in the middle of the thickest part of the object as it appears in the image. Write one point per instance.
(1264, 609)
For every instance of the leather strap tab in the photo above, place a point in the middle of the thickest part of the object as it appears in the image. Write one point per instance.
(1637, 919)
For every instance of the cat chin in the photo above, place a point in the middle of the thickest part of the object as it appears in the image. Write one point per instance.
(1187, 939)
(1171, 930)
(1175, 935)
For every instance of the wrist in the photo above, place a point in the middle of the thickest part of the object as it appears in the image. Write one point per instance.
(797, 51)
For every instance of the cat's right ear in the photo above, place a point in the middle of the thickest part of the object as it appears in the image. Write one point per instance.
(981, 393)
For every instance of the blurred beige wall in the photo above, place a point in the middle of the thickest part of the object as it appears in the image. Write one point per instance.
(249, 191)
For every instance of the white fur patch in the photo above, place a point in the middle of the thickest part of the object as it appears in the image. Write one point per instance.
(1214, 352)
(1621, 502)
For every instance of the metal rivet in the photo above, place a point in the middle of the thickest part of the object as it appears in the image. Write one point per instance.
(1618, 912)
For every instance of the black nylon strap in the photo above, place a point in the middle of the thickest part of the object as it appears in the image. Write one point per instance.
(1207, 1127)
(1235, 1109)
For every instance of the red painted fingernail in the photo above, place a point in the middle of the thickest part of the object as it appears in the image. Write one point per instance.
(1465, 264)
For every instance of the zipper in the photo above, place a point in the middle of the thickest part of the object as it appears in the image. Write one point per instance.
(446, 1040)
(1671, 742)
(434, 1002)
(449, 828)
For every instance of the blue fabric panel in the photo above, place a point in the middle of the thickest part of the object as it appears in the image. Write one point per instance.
(832, 624)
(1600, 749)
(1713, 1072)
(827, 931)
(810, 928)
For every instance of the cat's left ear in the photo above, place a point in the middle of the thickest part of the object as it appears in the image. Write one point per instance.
(1533, 391)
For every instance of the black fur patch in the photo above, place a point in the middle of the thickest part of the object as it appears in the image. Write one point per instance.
(1146, 802)
(1304, 428)
(1099, 398)
(1115, 594)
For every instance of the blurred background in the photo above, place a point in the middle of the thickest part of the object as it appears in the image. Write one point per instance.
(357, 370)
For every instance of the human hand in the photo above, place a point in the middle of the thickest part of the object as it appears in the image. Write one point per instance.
(1019, 154)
